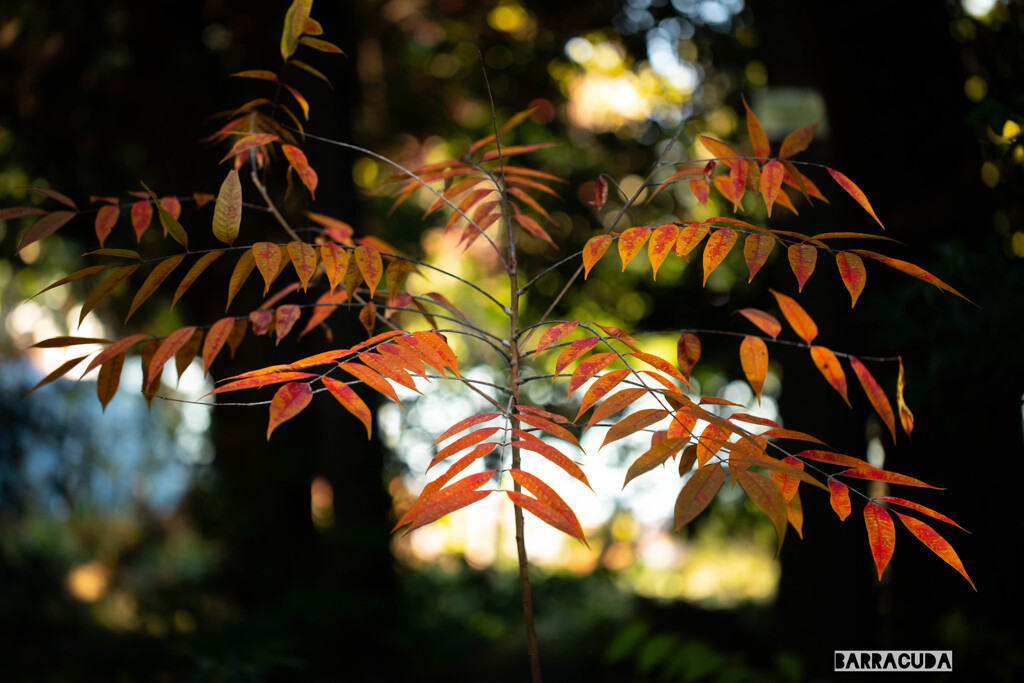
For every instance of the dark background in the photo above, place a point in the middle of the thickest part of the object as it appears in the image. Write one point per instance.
(99, 95)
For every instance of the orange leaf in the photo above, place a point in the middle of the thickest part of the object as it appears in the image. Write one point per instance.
(802, 258)
(262, 381)
(550, 427)
(556, 333)
(303, 104)
(532, 443)
(936, 543)
(851, 269)
(462, 425)
(766, 322)
(698, 492)
(757, 136)
(796, 316)
(326, 304)
(370, 265)
(662, 242)
(350, 401)
(174, 341)
(734, 185)
(687, 352)
(154, 280)
(303, 258)
(439, 345)
(689, 237)
(590, 367)
(297, 158)
(614, 404)
(656, 455)
(284, 319)
(371, 379)
(513, 150)
(142, 214)
(108, 379)
(788, 484)
(105, 220)
(906, 417)
(920, 508)
(910, 269)
(710, 442)
(881, 535)
(795, 513)
(875, 395)
(618, 335)
(335, 259)
(248, 142)
(390, 368)
(833, 458)
(720, 150)
(267, 257)
(573, 351)
(459, 466)
(753, 419)
(682, 425)
(798, 140)
(699, 188)
(193, 273)
(448, 500)
(661, 364)
(768, 497)
(771, 183)
(288, 402)
(875, 474)
(631, 242)
(633, 423)
(829, 366)
(593, 251)
(547, 506)
(854, 191)
(461, 444)
(840, 499)
(754, 358)
(780, 433)
(215, 339)
(533, 410)
(405, 357)
(718, 247)
(756, 249)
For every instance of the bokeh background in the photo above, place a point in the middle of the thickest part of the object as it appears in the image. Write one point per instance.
(173, 543)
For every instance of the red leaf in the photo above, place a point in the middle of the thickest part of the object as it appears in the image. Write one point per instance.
(288, 402)
(796, 316)
(734, 185)
(532, 227)
(532, 443)
(802, 258)
(350, 401)
(754, 358)
(698, 492)
(920, 508)
(851, 269)
(614, 404)
(718, 247)
(875, 474)
(573, 351)
(788, 483)
(854, 191)
(906, 417)
(466, 424)
(600, 193)
(910, 269)
(756, 249)
(687, 352)
(936, 543)
(447, 500)
(689, 237)
(875, 395)
(215, 339)
(682, 425)
(550, 427)
(833, 458)
(631, 242)
(462, 443)
(297, 159)
(829, 366)
(261, 321)
(370, 265)
(105, 220)
(699, 188)
(267, 257)
(556, 333)
(174, 341)
(840, 499)
(590, 367)
(248, 142)
(881, 535)
(548, 506)
(285, 318)
(113, 350)
(433, 348)
(771, 183)
(662, 242)
(720, 150)
(798, 140)
(780, 433)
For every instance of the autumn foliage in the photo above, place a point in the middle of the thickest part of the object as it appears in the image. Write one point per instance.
(491, 194)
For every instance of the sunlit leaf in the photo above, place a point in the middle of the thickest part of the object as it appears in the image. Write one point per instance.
(303, 257)
(687, 353)
(771, 183)
(661, 364)
(555, 334)
(698, 492)
(350, 401)
(910, 269)
(875, 394)
(614, 404)
(633, 423)
(710, 442)
(854, 191)
(733, 185)
(462, 443)
(833, 458)
(262, 381)
(756, 249)
(370, 265)
(600, 193)
(548, 506)
(465, 424)
(216, 337)
(590, 367)
(194, 272)
(875, 474)
(372, 379)
(802, 258)
(631, 241)
(754, 359)
(906, 417)
(297, 158)
(447, 500)
(936, 544)
(656, 455)
(788, 483)
(662, 242)
(682, 425)
(851, 269)
(532, 443)
(757, 135)
(840, 498)
(106, 217)
(881, 535)
(720, 150)
(893, 500)
(780, 433)
(689, 237)
(765, 322)
(700, 189)
(549, 427)
(798, 140)
(768, 497)
(796, 316)
(573, 351)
